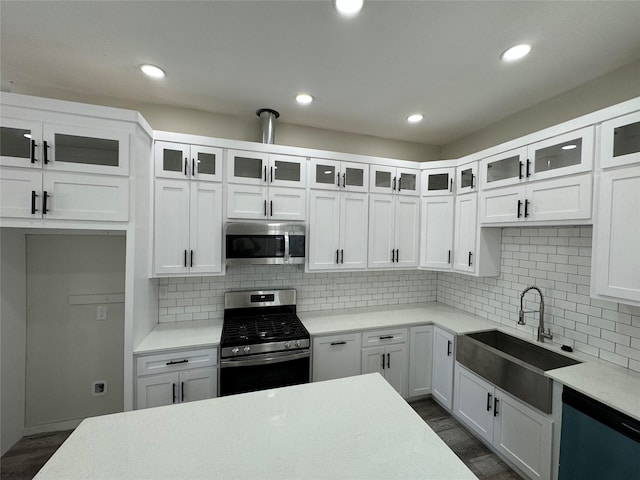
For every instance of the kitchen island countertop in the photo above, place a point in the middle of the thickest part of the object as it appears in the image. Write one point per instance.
(355, 428)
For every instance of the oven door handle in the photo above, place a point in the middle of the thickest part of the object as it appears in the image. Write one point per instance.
(286, 247)
(266, 359)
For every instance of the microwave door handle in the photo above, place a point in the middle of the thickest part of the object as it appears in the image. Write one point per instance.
(286, 247)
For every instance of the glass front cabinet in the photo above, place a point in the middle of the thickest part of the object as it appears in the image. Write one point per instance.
(183, 161)
(620, 141)
(403, 181)
(255, 168)
(338, 175)
(438, 181)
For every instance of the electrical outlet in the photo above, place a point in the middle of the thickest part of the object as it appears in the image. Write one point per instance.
(101, 312)
(99, 388)
(162, 292)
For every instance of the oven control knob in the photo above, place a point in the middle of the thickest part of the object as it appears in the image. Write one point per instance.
(246, 349)
(235, 350)
(287, 345)
(298, 344)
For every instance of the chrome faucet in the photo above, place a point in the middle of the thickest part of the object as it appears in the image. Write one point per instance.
(541, 332)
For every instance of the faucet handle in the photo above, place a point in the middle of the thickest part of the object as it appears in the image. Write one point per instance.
(521, 318)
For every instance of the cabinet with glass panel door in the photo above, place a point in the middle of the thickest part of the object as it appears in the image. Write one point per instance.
(338, 175)
(395, 180)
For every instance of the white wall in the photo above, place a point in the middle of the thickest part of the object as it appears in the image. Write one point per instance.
(67, 347)
(616, 87)
(13, 324)
(558, 261)
(200, 298)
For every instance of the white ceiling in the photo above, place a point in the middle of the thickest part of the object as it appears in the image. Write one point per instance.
(366, 73)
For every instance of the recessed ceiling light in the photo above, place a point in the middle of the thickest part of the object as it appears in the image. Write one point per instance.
(415, 118)
(304, 98)
(348, 8)
(569, 147)
(152, 71)
(516, 52)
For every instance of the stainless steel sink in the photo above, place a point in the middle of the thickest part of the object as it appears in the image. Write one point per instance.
(512, 364)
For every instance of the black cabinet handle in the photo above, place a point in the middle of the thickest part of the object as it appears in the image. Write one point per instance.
(338, 256)
(185, 259)
(489, 401)
(33, 202)
(528, 165)
(451, 185)
(192, 258)
(473, 177)
(342, 342)
(385, 337)
(338, 179)
(45, 153)
(342, 256)
(388, 360)
(265, 174)
(394, 184)
(186, 167)
(270, 174)
(519, 206)
(177, 362)
(182, 391)
(393, 255)
(344, 180)
(470, 254)
(526, 208)
(399, 184)
(495, 407)
(173, 386)
(271, 207)
(265, 208)
(382, 361)
(449, 345)
(397, 254)
(520, 170)
(45, 196)
(449, 257)
(193, 167)
(33, 151)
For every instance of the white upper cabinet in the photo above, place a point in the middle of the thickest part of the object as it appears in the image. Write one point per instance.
(620, 141)
(464, 258)
(467, 178)
(337, 175)
(565, 154)
(254, 168)
(63, 147)
(179, 160)
(403, 181)
(438, 181)
(436, 236)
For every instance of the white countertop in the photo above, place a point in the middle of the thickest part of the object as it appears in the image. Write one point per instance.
(351, 428)
(171, 336)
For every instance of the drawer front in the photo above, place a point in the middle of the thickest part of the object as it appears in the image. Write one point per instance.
(384, 337)
(176, 361)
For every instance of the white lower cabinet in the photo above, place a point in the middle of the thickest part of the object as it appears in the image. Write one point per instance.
(443, 360)
(336, 356)
(176, 377)
(388, 357)
(420, 360)
(519, 433)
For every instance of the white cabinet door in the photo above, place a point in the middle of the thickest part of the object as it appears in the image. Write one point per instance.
(336, 356)
(20, 143)
(438, 181)
(156, 390)
(354, 215)
(465, 233)
(198, 384)
(354, 177)
(502, 205)
(381, 235)
(247, 201)
(408, 181)
(287, 203)
(616, 235)
(324, 230)
(20, 193)
(443, 358)
(206, 163)
(287, 171)
(77, 196)
(507, 168)
(436, 235)
(474, 402)
(171, 227)
(566, 198)
(171, 160)
(205, 239)
(467, 178)
(382, 179)
(565, 154)
(420, 360)
(374, 360)
(407, 230)
(395, 371)
(620, 141)
(523, 436)
(324, 174)
(248, 168)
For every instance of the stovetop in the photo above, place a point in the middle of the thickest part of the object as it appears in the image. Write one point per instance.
(263, 328)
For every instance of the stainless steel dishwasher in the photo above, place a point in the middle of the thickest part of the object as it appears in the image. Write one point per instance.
(597, 441)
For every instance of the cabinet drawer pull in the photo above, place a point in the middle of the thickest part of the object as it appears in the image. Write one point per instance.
(45, 153)
(33, 151)
(45, 196)
(519, 206)
(489, 401)
(388, 360)
(473, 184)
(33, 202)
(338, 179)
(182, 391)
(449, 345)
(341, 342)
(176, 362)
(382, 355)
(173, 387)
(526, 208)
(385, 337)
(271, 207)
(393, 253)
(397, 254)
(495, 407)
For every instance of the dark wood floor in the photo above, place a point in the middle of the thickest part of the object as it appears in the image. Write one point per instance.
(26, 457)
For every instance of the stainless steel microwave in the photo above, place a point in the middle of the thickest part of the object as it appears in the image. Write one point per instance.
(264, 243)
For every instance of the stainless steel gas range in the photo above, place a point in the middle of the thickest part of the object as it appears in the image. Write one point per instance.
(264, 344)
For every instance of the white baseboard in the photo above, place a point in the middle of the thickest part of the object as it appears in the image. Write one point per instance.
(51, 427)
